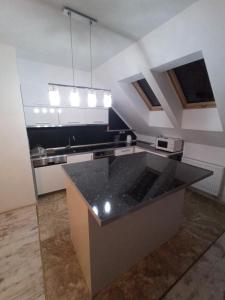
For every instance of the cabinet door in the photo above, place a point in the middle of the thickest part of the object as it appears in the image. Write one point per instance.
(49, 179)
(35, 94)
(79, 157)
(97, 116)
(72, 116)
(40, 118)
(124, 151)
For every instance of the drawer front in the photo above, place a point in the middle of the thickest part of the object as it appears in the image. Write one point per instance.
(124, 151)
(79, 158)
(138, 149)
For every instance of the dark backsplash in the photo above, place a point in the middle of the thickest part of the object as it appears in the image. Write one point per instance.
(90, 134)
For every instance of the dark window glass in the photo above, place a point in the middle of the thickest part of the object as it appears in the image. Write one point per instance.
(194, 81)
(162, 144)
(148, 92)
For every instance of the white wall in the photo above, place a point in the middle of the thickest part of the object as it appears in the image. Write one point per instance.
(159, 119)
(206, 119)
(31, 72)
(209, 154)
(215, 155)
(146, 138)
(16, 181)
(194, 33)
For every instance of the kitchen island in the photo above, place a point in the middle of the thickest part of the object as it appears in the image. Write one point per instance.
(123, 208)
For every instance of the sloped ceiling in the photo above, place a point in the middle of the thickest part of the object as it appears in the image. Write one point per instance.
(196, 32)
(40, 32)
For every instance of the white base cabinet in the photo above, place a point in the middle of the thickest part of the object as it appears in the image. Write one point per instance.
(138, 149)
(51, 178)
(124, 151)
(79, 158)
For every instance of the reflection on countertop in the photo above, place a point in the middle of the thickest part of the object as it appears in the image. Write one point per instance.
(114, 186)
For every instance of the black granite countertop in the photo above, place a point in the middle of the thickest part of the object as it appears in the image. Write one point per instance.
(85, 148)
(115, 186)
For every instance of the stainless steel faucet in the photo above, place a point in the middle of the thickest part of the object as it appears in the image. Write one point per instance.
(69, 141)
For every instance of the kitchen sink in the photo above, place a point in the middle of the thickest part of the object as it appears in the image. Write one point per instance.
(49, 160)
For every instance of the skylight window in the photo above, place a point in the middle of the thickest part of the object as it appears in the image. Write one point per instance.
(192, 85)
(147, 94)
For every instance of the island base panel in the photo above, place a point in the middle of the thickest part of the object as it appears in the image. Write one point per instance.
(105, 252)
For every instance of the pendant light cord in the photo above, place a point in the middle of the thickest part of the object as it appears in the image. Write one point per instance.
(71, 48)
(91, 59)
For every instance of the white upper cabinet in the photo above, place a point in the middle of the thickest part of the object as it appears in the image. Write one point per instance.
(38, 111)
(72, 116)
(38, 118)
(35, 94)
(97, 116)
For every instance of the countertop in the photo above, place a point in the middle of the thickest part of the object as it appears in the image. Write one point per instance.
(112, 187)
(85, 148)
(150, 147)
(104, 146)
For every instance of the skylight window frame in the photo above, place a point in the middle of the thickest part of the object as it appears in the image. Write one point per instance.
(146, 100)
(179, 91)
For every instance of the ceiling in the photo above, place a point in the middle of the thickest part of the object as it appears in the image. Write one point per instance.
(39, 30)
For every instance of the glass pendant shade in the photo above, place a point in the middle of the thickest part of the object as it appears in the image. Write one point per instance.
(44, 110)
(107, 100)
(36, 110)
(52, 110)
(54, 97)
(92, 101)
(74, 98)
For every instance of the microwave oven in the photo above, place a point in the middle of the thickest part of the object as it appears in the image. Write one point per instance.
(169, 144)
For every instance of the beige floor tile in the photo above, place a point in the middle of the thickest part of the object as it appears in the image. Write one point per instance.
(152, 277)
(21, 275)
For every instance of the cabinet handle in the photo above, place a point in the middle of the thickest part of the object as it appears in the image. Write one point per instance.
(75, 122)
(98, 122)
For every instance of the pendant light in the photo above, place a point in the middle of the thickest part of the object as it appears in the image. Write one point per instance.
(91, 93)
(74, 94)
(54, 97)
(107, 100)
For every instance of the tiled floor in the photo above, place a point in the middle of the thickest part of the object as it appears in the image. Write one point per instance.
(206, 279)
(185, 268)
(64, 280)
(21, 276)
(156, 276)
